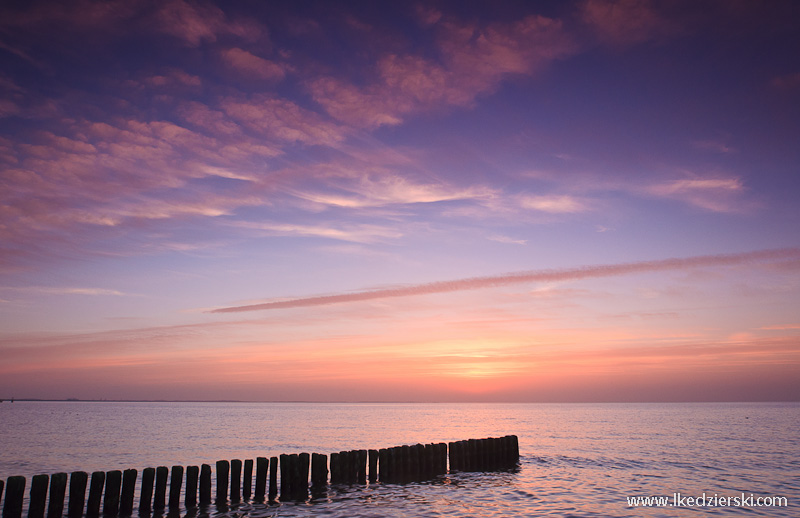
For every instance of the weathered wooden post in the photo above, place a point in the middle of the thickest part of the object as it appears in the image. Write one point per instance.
(128, 487)
(273, 478)
(236, 480)
(205, 484)
(58, 490)
(300, 475)
(160, 495)
(361, 466)
(319, 472)
(77, 493)
(15, 494)
(223, 471)
(111, 497)
(192, 476)
(334, 468)
(146, 495)
(383, 465)
(2, 485)
(95, 494)
(262, 465)
(175, 484)
(373, 465)
(247, 479)
(286, 481)
(38, 495)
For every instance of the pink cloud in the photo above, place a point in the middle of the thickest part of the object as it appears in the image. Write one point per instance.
(625, 22)
(473, 61)
(587, 272)
(195, 22)
(282, 119)
(251, 65)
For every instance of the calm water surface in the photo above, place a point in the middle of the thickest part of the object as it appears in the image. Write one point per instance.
(576, 459)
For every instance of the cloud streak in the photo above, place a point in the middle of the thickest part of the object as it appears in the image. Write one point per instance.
(552, 275)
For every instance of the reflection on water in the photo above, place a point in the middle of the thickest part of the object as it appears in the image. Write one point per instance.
(577, 460)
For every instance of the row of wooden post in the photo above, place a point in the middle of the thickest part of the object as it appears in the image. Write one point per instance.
(484, 454)
(115, 489)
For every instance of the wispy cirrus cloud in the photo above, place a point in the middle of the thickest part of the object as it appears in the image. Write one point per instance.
(568, 274)
(626, 22)
(253, 66)
(351, 232)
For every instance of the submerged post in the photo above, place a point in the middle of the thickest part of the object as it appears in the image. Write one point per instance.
(58, 490)
(273, 477)
(15, 493)
(37, 496)
(262, 465)
(128, 487)
(236, 480)
(175, 484)
(205, 484)
(223, 469)
(111, 497)
(146, 495)
(319, 471)
(247, 479)
(160, 498)
(77, 493)
(95, 494)
(192, 475)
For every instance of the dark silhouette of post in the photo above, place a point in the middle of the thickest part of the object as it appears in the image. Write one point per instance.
(77, 493)
(175, 484)
(15, 494)
(262, 466)
(95, 494)
(236, 480)
(273, 478)
(58, 490)
(128, 488)
(223, 470)
(205, 484)
(146, 495)
(38, 495)
(192, 476)
(160, 496)
(247, 479)
(111, 497)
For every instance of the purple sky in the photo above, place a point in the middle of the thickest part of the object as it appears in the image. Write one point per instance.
(527, 201)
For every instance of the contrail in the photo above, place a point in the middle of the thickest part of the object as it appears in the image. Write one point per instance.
(566, 274)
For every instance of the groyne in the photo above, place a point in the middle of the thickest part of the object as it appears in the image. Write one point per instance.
(285, 477)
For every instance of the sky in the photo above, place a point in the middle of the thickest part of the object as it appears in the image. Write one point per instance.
(541, 201)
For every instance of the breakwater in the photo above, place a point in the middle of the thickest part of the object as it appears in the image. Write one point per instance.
(112, 493)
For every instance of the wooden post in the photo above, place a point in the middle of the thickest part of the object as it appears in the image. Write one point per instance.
(111, 497)
(160, 496)
(273, 478)
(95, 494)
(247, 479)
(146, 495)
(38, 496)
(192, 475)
(236, 480)
(383, 464)
(175, 484)
(319, 471)
(15, 494)
(128, 487)
(205, 484)
(77, 493)
(373, 465)
(223, 471)
(514, 449)
(58, 490)
(262, 465)
(336, 470)
(286, 481)
(442, 458)
(361, 466)
(300, 472)
(2, 485)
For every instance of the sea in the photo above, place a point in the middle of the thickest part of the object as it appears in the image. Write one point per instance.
(576, 460)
